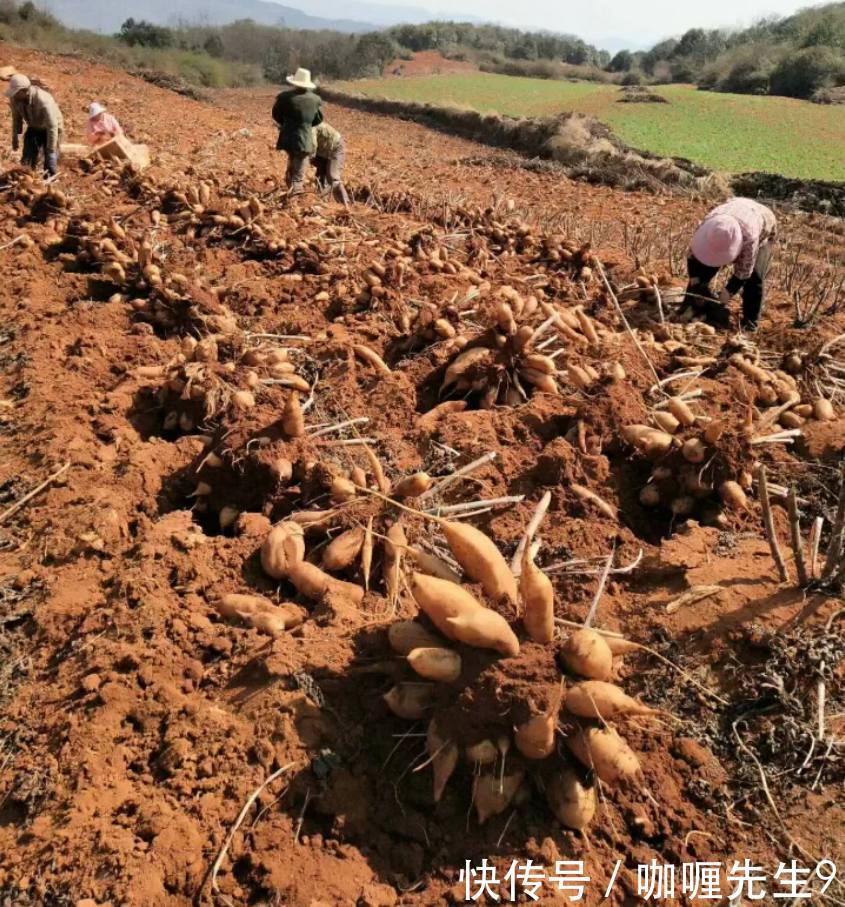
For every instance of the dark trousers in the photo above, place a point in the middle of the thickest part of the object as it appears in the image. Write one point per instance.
(700, 296)
(34, 146)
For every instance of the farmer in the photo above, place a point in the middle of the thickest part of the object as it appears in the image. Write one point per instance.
(102, 127)
(740, 232)
(329, 159)
(44, 124)
(296, 112)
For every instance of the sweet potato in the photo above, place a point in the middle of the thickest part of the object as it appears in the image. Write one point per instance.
(538, 600)
(666, 422)
(440, 600)
(435, 663)
(492, 794)
(410, 701)
(481, 560)
(588, 329)
(823, 410)
(650, 496)
(343, 550)
(428, 420)
(598, 699)
(591, 497)
(604, 751)
(444, 758)
(406, 635)
(243, 399)
(733, 496)
(681, 411)
(484, 629)
(367, 554)
(314, 583)
(651, 441)
(694, 450)
(433, 565)
(342, 490)
(372, 357)
(394, 550)
(235, 604)
(293, 422)
(587, 653)
(482, 753)
(283, 547)
(462, 364)
(536, 738)
(412, 486)
(570, 799)
(579, 377)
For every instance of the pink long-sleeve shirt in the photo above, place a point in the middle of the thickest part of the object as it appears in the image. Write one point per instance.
(758, 225)
(103, 129)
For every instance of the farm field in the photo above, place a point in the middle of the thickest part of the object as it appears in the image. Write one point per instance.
(266, 470)
(728, 132)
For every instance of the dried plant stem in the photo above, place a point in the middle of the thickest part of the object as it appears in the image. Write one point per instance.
(815, 538)
(361, 420)
(10, 511)
(600, 591)
(468, 506)
(530, 529)
(769, 523)
(239, 821)
(795, 535)
(457, 474)
(834, 548)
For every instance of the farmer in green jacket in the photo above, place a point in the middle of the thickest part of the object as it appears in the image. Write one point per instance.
(296, 112)
(38, 109)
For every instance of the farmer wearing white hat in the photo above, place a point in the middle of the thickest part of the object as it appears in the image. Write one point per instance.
(296, 112)
(102, 126)
(38, 109)
(742, 233)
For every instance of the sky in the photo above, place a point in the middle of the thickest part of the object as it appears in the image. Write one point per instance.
(642, 23)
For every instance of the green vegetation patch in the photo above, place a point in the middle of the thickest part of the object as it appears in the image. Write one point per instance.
(729, 132)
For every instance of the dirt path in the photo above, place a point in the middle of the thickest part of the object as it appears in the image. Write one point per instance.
(138, 720)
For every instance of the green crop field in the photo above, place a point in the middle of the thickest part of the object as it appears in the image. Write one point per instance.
(728, 132)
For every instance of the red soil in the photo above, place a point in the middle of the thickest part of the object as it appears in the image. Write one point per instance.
(138, 722)
(427, 63)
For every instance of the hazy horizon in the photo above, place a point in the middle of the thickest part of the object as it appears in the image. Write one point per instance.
(640, 24)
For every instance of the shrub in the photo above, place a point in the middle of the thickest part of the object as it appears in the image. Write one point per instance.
(634, 77)
(747, 77)
(800, 73)
(145, 33)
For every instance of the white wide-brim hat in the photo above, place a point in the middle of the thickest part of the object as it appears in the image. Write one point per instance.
(17, 83)
(301, 79)
(95, 110)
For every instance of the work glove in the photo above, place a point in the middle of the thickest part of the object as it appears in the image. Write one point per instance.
(52, 163)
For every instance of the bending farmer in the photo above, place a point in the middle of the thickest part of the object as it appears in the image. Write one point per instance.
(44, 124)
(296, 112)
(102, 126)
(742, 233)
(329, 159)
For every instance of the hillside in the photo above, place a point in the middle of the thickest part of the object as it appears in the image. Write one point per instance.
(257, 453)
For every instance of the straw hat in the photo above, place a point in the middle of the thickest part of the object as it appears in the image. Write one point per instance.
(717, 242)
(301, 79)
(95, 110)
(17, 83)
(6, 72)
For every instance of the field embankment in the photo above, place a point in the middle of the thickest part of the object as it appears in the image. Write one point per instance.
(731, 133)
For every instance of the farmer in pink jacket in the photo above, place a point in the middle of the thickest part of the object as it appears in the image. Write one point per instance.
(102, 126)
(742, 233)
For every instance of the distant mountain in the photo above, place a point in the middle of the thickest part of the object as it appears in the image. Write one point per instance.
(353, 17)
(106, 16)
(385, 16)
